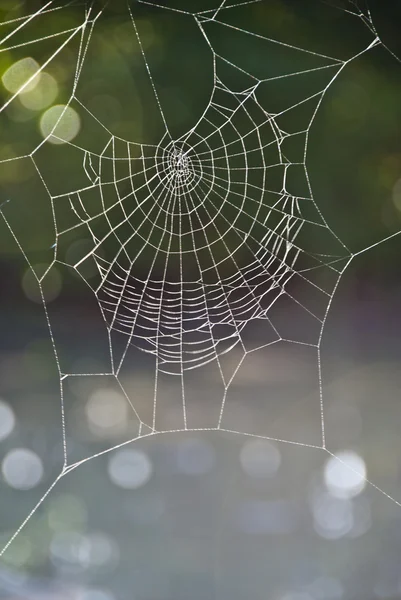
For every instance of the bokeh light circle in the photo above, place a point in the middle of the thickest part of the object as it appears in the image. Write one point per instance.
(345, 476)
(62, 123)
(19, 73)
(130, 469)
(333, 517)
(107, 411)
(42, 95)
(22, 469)
(7, 420)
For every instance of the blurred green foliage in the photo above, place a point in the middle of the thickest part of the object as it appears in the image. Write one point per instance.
(354, 156)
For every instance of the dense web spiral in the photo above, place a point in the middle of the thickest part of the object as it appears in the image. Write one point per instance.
(224, 214)
(188, 196)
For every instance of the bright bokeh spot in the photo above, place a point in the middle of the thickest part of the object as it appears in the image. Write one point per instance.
(71, 550)
(107, 411)
(7, 420)
(42, 95)
(19, 73)
(22, 469)
(345, 476)
(333, 517)
(74, 550)
(260, 458)
(61, 121)
(130, 469)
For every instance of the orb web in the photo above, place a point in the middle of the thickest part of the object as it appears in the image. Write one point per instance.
(224, 214)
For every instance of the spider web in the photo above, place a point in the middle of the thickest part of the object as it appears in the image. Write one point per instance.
(223, 216)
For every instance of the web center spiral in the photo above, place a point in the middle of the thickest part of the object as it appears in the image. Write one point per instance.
(179, 168)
